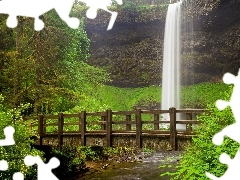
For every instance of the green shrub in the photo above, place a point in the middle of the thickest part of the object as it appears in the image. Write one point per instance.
(203, 156)
(15, 154)
(91, 152)
(71, 161)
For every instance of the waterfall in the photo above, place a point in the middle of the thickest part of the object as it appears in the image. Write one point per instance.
(171, 61)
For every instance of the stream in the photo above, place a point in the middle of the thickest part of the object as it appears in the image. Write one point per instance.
(147, 168)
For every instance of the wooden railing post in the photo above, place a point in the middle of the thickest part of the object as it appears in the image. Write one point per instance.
(44, 126)
(109, 127)
(60, 129)
(156, 125)
(83, 128)
(40, 129)
(189, 126)
(128, 120)
(173, 130)
(103, 126)
(138, 128)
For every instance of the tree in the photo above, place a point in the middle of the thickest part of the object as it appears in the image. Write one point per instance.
(47, 68)
(15, 154)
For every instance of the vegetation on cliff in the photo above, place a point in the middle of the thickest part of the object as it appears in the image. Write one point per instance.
(47, 69)
(203, 156)
(132, 51)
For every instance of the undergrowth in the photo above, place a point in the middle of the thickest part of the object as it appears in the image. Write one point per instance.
(203, 156)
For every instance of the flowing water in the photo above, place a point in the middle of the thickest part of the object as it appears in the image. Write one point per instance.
(171, 61)
(147, 169)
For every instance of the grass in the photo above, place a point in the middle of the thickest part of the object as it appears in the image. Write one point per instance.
(194, 96)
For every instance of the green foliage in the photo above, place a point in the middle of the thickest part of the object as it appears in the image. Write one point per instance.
(15, 154)
(71, 160)
(203, 156)
(194, 96)
(198, 95)
(89, 153)
(125, 98)
(48, 68)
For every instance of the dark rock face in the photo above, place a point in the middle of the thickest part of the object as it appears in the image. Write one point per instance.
(132, 51)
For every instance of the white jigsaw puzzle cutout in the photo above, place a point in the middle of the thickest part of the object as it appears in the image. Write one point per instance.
(44, 171)
(232, 172)
(8, 141)
(230, 131)
(36, 8)
(93, 7)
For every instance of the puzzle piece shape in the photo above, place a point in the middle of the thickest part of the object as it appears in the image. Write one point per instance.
(8, 141)
(18, 176)
(102, 4)
(8, 132)
(230, 130)
(3, 165)
(36, 8)
(229, 78)
(44, 171)
(233, 167)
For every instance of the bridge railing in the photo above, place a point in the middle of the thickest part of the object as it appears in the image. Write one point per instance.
(138, 123)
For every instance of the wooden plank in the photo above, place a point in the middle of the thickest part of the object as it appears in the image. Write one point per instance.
(155, 135)
(71, 115)
(164, 121)
(96, 114)
(123, 134)
(96, 131)
(50, 117)
(191, 110)
(44, 125)
(138, 128)
(156, 132)
(109, 127)
(128, 120)
(119, 122)
(60, 129)
(40, 129)
(156, 118)
(83, 128)
(154, 111)
(70, 132)
(186, 133)
(173, 130)
(50, 124)
(50, 135)
(97, 122)
(123, 112)
(188, 122)
(95, 134)
(124, 131)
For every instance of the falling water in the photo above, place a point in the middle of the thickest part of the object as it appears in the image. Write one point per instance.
(171, 60)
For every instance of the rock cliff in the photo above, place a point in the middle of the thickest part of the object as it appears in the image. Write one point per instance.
(132, 51)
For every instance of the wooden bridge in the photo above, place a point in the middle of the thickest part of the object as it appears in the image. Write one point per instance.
(134, 127)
